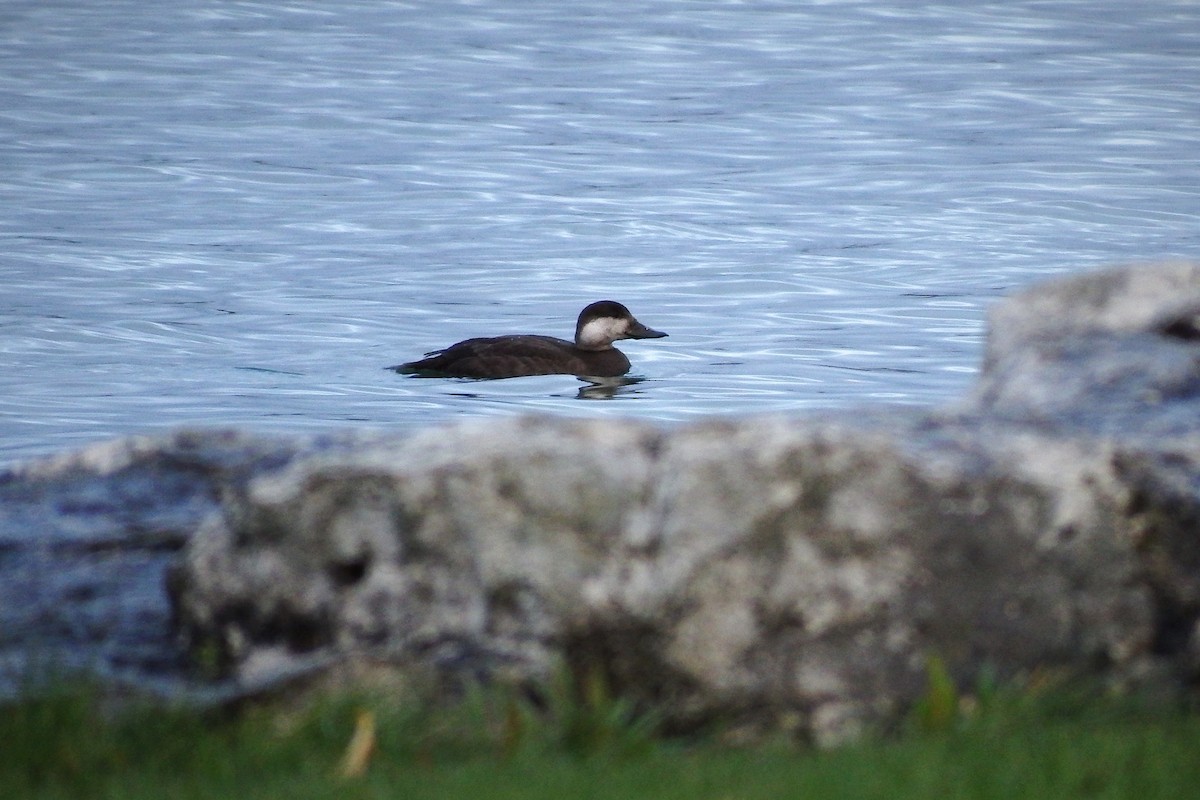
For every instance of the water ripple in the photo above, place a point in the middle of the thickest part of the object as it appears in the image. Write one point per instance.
(239, 214)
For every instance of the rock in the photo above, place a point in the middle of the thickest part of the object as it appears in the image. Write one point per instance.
(1110, 353)
(86, 538)
(774, 572)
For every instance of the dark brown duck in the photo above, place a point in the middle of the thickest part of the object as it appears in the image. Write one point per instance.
(591, 355)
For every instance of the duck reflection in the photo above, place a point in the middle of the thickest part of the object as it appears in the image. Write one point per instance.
(605, 388)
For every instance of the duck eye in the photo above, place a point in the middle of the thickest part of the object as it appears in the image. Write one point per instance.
(1186, 327)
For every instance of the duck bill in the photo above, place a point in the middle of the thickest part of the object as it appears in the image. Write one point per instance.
(640, 331)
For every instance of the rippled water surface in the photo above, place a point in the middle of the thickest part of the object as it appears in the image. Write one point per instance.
(240, 212)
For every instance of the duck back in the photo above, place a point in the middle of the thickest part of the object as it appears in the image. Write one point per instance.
(517, 356)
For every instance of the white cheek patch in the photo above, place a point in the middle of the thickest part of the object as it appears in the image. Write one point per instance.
(602, 331)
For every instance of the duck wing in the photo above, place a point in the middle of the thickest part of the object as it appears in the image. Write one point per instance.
(499, 357)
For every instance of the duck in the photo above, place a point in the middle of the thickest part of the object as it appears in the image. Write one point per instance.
(591, 355)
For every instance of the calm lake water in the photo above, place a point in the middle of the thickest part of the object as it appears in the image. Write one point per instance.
(241, 212)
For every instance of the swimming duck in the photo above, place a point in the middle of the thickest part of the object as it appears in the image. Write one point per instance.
(591, 355)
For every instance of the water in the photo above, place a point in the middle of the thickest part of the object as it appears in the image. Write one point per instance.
(240, 212)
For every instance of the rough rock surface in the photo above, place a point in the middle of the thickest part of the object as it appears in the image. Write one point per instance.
(777, 572)
(85, 540)
(780, 571)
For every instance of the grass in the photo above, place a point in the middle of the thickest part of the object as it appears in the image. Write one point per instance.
(69, 742)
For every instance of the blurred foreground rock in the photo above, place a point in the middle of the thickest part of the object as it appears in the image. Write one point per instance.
(771, 572)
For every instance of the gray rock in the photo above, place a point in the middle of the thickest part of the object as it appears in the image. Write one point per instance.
(86, 539)
(779, 572)
(1111, 353)
(770, 572)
